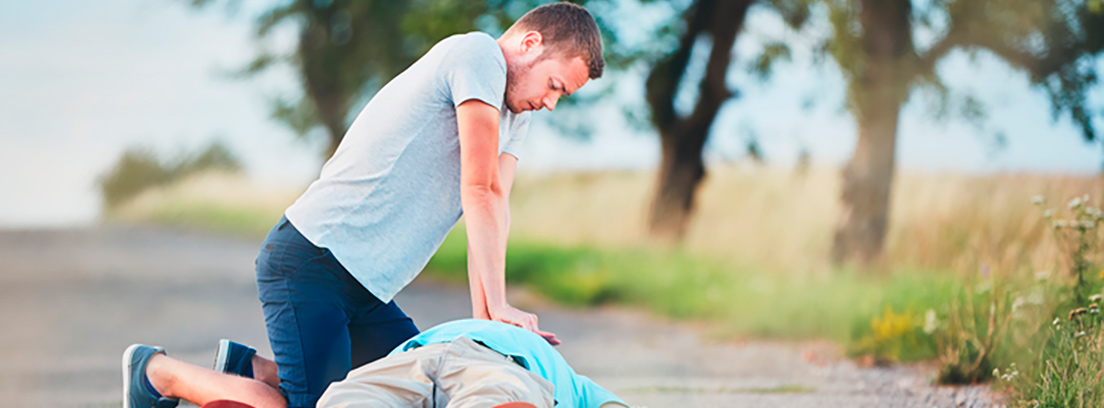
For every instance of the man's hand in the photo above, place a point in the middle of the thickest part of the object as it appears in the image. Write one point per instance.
(528, 321)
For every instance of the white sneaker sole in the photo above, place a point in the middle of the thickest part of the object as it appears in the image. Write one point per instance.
(127, 356)
(221, 354)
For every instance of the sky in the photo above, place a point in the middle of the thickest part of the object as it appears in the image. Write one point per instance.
(82, 81)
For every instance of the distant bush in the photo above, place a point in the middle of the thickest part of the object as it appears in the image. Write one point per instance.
(139, 169)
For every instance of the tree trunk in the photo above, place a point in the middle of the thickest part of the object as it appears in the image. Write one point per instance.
(682, 139)
(335, 128)
(878, 88)
(867, 180)
(320, 76)
(681, 171)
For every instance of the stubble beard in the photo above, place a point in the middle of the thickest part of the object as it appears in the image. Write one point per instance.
(514, 73)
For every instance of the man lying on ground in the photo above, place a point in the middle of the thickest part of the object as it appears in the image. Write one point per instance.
(464, 363)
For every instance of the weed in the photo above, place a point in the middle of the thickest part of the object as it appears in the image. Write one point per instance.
(1066, 371)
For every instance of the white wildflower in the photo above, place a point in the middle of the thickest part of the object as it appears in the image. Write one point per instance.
(1079, 334)
(983, 287)
(1018, 303)
(1088, 224)
(1074, 203)
(1035, 298)
(1038, 199)
(931, 322)
(1009, 374)
(1085, 199)
(1059, 224)
(1055, 322)
(1042, 275)
(1048, 213)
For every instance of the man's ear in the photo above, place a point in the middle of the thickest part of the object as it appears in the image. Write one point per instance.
(531, 42)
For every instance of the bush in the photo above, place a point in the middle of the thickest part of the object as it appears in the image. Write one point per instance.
(139, 169)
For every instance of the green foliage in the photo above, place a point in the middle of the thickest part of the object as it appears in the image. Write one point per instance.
(1068, 367)
(892, 337)
(1068, 372)
(1040, 338)
(977, 322)
(234, 220)
(743, 301)
(1054, 41)
(139, 169)
(771, 54)
(346, 50)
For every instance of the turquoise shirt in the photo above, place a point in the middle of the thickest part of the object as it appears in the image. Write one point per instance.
(529, 350)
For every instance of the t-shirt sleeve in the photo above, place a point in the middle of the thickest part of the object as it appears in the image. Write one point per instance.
(475, 69)
(518, 131)
(589, 394)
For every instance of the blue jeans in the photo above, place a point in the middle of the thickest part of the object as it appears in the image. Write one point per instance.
(321, 322)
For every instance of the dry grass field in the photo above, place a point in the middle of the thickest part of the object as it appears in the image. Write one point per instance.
(773, 219)
(973, 276)
(783, 221)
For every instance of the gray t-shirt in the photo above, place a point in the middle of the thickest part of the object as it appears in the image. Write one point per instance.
(391, 192)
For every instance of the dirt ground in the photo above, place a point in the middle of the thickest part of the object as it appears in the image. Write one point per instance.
(72, 300)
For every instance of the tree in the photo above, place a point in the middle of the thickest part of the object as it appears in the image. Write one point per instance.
(715, 24)
(347, 49)
(873, 43)
(682, 138)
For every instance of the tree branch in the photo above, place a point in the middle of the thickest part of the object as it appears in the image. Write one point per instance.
(713, 90)
(662, 83)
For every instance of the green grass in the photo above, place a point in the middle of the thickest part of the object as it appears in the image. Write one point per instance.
(214, 217)
(740, 299)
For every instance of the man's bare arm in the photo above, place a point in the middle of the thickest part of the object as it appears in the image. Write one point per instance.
(483, 196)
(507, 164)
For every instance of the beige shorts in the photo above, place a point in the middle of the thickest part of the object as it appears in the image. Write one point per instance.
(462, 373)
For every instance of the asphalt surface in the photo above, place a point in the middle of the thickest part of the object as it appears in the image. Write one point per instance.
(72, 300)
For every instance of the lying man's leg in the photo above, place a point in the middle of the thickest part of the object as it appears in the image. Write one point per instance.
(152, 379)
(400, 380)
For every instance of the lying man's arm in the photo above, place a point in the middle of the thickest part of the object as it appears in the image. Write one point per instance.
(484, 188)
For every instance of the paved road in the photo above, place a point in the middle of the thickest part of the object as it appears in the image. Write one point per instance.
(72, 300)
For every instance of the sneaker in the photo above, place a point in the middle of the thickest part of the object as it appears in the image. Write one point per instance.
(234, 358)
(136, 391)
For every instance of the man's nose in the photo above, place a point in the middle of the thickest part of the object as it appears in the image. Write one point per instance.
(550, 102)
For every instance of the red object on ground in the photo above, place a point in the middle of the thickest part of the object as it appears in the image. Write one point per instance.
(226, 404)
(506, 405)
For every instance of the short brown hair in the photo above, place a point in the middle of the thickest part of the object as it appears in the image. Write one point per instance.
(566, 29)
